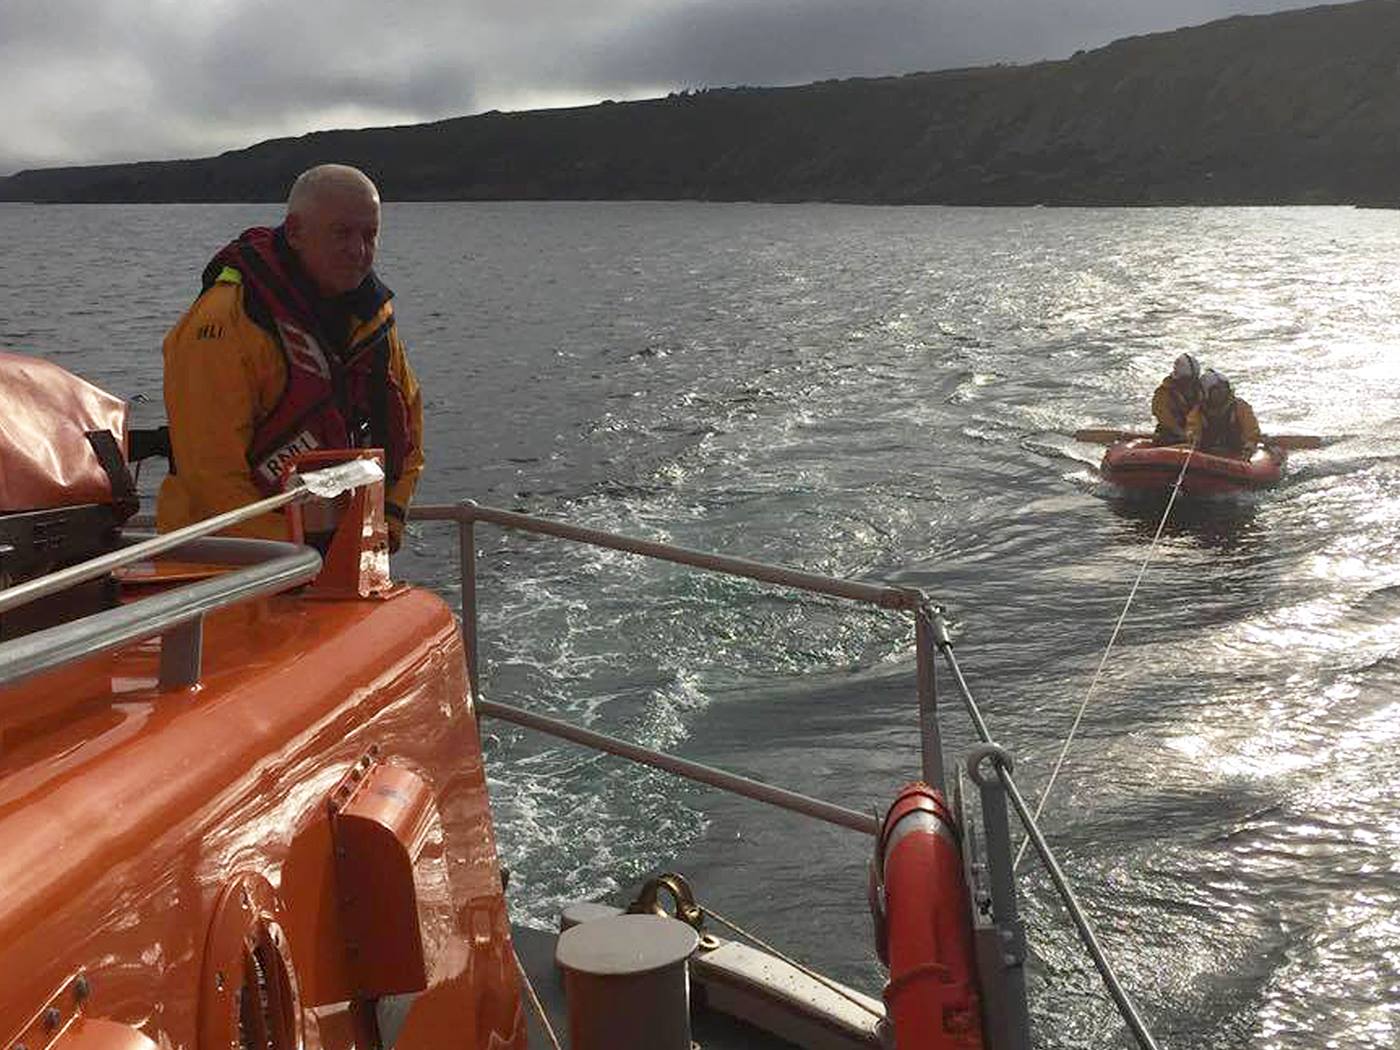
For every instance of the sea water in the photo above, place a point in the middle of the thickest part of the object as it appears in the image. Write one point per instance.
(886, 395)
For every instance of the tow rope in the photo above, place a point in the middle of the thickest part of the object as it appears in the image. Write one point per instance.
(540, 1011)
(1103, 660)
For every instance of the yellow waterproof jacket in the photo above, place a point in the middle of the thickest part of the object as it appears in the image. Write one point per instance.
(1236, 431)
(1170, 409)
(224, 374)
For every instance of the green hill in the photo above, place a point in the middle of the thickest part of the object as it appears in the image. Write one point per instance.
(1297, 107)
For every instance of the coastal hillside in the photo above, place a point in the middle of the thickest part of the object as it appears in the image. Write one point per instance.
(1297, 107)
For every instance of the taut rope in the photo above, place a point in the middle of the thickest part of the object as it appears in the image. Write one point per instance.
(1079, 716)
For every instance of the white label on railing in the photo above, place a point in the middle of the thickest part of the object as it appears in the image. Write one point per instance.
(329, 482)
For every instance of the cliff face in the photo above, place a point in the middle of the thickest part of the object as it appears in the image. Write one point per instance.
(1298, 107)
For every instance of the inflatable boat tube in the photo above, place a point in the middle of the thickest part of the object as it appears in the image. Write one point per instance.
(1141, 466)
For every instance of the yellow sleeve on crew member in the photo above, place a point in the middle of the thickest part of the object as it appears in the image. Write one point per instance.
(1249, 423)
(223, 373)
(400, 495)
(1164, 408)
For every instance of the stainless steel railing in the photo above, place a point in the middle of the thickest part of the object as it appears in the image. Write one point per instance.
(261, 567)
(930, 637)
(467, 513)
(325, 483)
(1001, 762)
(696, 771)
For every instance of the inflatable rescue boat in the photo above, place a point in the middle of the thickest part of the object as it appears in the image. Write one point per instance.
(1142, 466)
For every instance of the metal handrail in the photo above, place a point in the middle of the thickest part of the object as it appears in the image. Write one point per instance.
(703, 774)
(275, 567)
(908, 599)
(321, 484)
(268, 567)
(931, 635)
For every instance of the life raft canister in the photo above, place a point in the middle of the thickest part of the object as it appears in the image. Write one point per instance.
(923, 926)
(62, 441)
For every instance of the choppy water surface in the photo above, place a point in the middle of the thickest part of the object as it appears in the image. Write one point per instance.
(884, 395)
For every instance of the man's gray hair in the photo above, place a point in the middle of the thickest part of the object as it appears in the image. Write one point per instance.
(313, 182)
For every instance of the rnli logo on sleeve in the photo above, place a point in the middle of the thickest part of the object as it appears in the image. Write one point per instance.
(272, 467)
(209, 331)
(303, 350)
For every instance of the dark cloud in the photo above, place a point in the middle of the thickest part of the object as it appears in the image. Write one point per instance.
(279, 57)
(726, 42)
(95, 80)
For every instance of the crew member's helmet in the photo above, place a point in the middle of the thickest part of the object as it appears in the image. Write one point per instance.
(1185, 369)
(1216, 389)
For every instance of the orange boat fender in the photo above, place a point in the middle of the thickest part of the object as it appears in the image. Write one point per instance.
(923, 925)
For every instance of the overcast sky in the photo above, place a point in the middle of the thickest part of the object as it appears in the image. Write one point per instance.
(87, 81)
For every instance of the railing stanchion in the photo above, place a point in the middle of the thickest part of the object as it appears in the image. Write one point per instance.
(930, 741)
(181, 655)
(466, 564)
(1001, 936)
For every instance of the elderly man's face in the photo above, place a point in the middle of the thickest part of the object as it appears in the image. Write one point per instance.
(335, 238)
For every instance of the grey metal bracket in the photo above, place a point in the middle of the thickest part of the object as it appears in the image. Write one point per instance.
(1000, 937)
(181, 655)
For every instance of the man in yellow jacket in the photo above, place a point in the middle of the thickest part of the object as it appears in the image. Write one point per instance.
(291, 346)
(1223, 423)
(1174, 399)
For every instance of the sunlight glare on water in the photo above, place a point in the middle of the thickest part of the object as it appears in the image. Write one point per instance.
(888, 394)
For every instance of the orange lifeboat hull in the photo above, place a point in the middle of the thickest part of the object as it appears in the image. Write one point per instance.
(161, 844)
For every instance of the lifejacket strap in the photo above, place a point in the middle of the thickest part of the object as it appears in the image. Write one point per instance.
(109, 455)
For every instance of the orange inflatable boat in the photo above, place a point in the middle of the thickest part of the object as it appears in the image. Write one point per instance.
(1141, 466)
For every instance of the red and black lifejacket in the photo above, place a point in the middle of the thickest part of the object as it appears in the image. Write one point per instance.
(340, 392)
